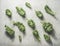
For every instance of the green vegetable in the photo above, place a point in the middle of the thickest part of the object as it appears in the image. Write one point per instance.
(31, 23)
(20, 26)
(39, 14)
(28, 5)
(48, 10)
(20, 39)
(9, 31)
(36, 35)
(8, 13)
(21, 11)
(48, 27)
(47, 38)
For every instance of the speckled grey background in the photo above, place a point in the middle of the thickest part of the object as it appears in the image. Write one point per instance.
(28, 39)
